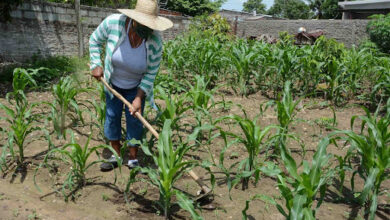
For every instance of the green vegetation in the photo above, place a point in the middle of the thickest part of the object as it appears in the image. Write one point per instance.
(50, 68)
(371, 147)
(77, 157)
(326, 69)
(379, 31)
(300, 189)
(253, 141)
(171, 166)
(20, 119)
(199, 70)
(254, 5)
(295, 9)
(64, 104)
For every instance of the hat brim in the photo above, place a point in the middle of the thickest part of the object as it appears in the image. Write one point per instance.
(153, 22)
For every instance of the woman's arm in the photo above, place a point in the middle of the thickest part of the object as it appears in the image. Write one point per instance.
(96, 42)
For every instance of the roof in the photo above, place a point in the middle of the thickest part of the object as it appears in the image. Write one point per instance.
(262, 17)
(238, 12)
(365, 5)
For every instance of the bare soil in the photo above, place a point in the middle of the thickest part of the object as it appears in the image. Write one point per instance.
(103, 198)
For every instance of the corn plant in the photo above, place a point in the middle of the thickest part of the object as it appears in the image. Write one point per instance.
(174, 108)
(64, 104)
(300, 189)
(171, 166)
(243, 60)
(99, 116)
(201, 100)
(20, 119)
(254, 141)
(371, 146)
(286, 115)
(78, 158)
(170, 83)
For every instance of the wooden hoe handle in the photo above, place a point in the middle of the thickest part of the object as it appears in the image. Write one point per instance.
(154, 132)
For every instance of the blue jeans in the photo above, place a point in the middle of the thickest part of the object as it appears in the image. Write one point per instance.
(112, 125)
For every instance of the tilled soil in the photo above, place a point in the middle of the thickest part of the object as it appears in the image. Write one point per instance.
(103, 197)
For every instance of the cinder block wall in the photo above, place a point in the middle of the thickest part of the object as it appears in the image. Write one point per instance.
(348, 32)
(48, 29)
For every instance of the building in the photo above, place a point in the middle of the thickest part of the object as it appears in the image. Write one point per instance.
(363, 9)
(231, 15)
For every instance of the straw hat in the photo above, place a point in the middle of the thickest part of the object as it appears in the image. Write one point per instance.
(146, 13)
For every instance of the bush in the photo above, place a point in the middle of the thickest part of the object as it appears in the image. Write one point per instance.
(50, 68)
(211, 25)
(379, 31)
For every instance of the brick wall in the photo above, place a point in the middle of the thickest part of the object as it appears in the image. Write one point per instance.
(49, 29)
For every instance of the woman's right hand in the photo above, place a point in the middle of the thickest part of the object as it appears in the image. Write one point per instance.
(97, 73)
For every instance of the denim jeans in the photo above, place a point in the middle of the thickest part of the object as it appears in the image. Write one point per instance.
(112, 125)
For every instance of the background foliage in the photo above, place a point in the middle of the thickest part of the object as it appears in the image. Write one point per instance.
(292, 9)
(254, 5)
(379, 31)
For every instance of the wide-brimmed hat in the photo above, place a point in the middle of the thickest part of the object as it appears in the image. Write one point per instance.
(146, 13)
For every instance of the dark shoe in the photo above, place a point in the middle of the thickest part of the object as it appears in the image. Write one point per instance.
(111, 164)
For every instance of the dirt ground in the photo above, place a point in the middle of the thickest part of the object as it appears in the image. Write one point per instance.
(104, 198)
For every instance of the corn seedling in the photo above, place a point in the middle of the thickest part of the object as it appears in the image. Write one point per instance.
(371, 146)
(254, 141)
(64, 103)
(20, 119)
(299, 190)
(78, 157)
(174, 109)
(286, 115)
(201, 101)
(171, 166)
(243, 60)
(99, 106)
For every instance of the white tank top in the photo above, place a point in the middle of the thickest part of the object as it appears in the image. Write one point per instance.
(129, 64)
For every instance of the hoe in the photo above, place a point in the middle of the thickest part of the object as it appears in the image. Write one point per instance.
(205, 190)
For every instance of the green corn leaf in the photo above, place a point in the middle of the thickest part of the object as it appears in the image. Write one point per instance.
(186, 204)
(373, 206)
(244, 215)
(368, 185)
(297, 207)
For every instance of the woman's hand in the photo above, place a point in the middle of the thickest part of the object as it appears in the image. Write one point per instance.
(137, 102)
(97, 73)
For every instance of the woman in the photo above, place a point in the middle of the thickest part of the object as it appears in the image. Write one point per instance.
(132, 59)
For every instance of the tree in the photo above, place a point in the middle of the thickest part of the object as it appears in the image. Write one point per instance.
(254, 5)
(325, 9)
(194, 7)
(291, 9)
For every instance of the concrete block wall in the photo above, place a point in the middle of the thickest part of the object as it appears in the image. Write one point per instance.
(349, 32)
(48, 29)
